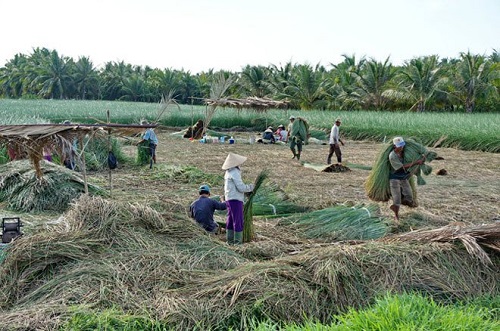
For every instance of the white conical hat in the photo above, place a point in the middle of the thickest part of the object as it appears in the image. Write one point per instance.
(233, 160)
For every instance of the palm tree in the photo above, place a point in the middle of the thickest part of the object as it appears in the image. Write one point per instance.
(306, 89)
(372, 81)
(54, 75)
(472, 80)
(342, 93)
(420, 80)
(86, 78)
(254, 81)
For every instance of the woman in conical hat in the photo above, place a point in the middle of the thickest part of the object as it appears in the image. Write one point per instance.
(234, 191)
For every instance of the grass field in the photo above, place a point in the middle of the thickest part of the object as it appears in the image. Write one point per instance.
(457, 130)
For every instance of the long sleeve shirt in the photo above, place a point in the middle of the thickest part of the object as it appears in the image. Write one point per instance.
(234, 188)
(202, 210)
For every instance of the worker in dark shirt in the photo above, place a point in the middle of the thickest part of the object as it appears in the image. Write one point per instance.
(202, 210)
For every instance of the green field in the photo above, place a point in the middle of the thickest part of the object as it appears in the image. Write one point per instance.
(460, 130)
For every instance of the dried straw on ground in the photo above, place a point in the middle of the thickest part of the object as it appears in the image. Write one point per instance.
(104, 253)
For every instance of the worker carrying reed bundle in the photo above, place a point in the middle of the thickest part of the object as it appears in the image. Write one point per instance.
(298, 134)
(391, 175)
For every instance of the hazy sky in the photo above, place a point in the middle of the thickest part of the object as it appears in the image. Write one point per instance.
(198, 35)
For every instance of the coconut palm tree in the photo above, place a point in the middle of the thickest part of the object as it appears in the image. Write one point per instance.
(86, 78)
(254, 81)
(372, 81)
(53, 75)
(472, 80)
(307, 87)
(419, 81)
(343, 83)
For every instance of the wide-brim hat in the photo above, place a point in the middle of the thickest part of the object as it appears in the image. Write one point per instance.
(338, 120)
(268, 130)
(233, 160)
(281, 126)
(292, 117)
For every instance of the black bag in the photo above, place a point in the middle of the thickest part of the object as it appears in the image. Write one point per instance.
(112, 162)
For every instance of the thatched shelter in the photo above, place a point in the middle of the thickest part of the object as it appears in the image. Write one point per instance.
(248, 103)
(31, 139)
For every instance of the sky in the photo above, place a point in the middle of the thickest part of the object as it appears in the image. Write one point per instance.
(199, 35)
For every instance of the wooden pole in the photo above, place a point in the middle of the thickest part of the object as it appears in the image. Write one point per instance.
(109, 150)
(84, 166)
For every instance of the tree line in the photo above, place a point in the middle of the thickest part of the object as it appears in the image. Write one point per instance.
(469, 83)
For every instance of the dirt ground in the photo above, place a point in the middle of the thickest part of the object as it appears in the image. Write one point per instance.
(469, 193)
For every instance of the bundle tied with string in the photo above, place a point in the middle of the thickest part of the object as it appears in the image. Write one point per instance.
(377, 184)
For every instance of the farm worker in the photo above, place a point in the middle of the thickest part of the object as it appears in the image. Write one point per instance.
(150, 137)
(268, 136)
(334, 143)
(298, 135)
(203, 208)
(234, 190)
(281, 133)
(399, 177)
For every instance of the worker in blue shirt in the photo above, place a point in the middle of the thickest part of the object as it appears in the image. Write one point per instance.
(150, 136)
(203, 208)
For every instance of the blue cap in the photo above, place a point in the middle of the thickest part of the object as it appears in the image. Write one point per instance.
(204, 188)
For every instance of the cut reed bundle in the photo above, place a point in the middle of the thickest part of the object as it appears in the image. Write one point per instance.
(248, 228)
(340, 223)
(377, 183)
(272, 200)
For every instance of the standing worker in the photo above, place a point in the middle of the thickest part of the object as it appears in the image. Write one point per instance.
(334, 143)
(234, 190)
(150, 137)
(298, 131)
(399, 177)
(203, 208)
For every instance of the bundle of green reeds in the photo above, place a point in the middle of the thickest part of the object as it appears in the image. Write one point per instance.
(271, 200)
(300, 129)
(340, 223)
(248, 228)
(24, 191)
(377, 183)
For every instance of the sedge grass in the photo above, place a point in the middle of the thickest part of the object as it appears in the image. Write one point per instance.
(427, 127)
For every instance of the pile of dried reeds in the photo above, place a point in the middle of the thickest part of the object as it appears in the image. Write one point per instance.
(105, 254)
(24, 191)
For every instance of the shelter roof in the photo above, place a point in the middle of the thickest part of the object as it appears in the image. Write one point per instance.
(37, 131)
(250, 102)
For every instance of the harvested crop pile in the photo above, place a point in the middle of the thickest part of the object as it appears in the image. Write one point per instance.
(106, 254)
(339, 223)
(270, 199)
(195, 131)
(327, 168)
(24, 191)
(377, 183)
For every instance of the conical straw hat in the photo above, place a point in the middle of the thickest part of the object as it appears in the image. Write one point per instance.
(233, 160)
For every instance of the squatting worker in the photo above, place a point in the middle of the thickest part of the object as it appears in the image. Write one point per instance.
(234, 190)
(334, 143)
(152, 139)
(203, 208)
(399, 177)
